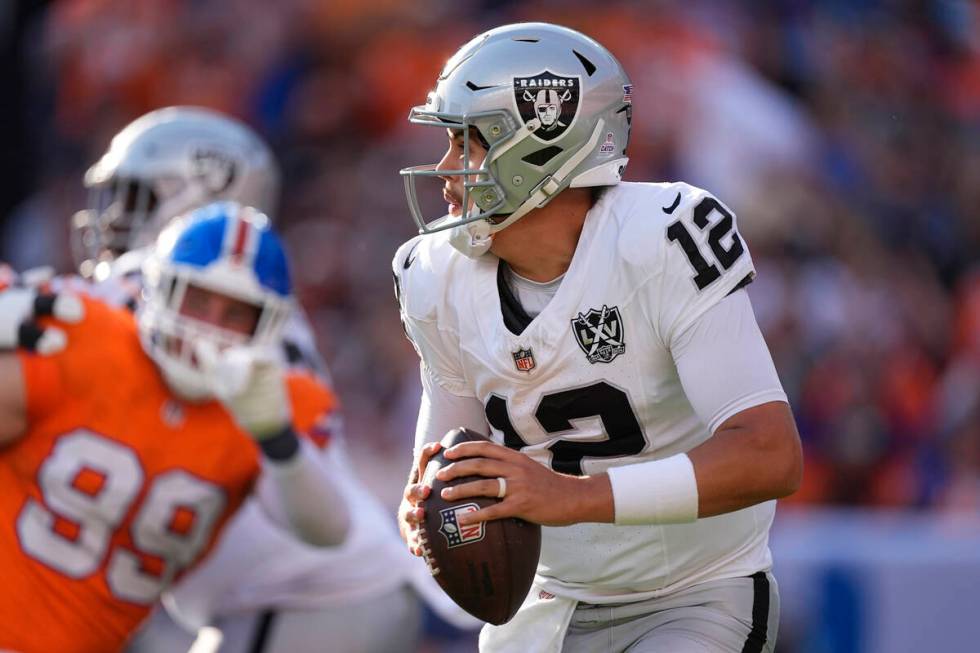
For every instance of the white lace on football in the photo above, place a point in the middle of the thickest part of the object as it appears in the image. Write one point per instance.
(427, 552)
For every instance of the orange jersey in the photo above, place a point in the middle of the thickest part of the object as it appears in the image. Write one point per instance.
(116, 488)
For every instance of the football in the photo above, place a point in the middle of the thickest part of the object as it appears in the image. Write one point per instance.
(486, 568)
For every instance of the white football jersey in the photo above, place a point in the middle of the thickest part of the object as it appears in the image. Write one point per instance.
(590, 382)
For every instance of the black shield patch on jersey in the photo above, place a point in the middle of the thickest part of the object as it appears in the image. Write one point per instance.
(552, 99)
(600, 334)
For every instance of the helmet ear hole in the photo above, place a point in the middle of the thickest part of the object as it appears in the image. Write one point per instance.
(542, 156)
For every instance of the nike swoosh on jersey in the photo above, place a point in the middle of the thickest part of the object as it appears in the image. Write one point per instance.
(409, 258)
(670, 209)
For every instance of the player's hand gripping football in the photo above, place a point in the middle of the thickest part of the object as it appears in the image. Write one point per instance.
(251, 384)
(531, 491)
(410, 512)
(20, 307)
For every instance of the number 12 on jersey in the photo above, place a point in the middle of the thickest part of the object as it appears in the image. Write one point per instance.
(708, 273)
(555, 413)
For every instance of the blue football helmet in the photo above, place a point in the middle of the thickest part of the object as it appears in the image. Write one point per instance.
(225, 248)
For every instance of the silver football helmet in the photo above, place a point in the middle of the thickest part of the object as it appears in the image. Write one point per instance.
(160, 166)
(552, 105)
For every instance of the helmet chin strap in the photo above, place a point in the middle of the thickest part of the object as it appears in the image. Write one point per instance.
(474, 239)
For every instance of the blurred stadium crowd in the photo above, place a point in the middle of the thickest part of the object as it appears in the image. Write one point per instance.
(846, 136)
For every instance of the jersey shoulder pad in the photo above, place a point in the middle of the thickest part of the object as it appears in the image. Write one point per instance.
(423, 268)
(691, 244)
(642, 212)
(706, 259)
(427, 269)
(102, 323)
(100, 348)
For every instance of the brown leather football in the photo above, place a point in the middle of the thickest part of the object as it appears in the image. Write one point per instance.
(486, 568)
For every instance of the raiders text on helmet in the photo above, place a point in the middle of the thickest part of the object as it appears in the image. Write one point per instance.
(554, 107)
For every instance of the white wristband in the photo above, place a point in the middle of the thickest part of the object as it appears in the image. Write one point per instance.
(655, 492)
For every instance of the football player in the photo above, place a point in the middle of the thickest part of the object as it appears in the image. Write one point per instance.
(600, 332)
(125, 452)
(163, 163)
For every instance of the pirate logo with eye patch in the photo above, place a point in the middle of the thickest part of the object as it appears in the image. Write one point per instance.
(551, 99)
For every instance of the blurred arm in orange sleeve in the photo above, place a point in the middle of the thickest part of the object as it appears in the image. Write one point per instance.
(30, 386)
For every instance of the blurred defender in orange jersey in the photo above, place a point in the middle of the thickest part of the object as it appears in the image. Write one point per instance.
(124, 453)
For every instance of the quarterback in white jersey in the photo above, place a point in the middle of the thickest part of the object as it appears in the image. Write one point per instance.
(599, 331)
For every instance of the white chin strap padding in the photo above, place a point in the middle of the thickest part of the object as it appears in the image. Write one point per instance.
(607, 174)
(472, 239)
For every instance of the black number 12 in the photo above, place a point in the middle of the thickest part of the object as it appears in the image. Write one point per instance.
(555, 412)
(707, 273)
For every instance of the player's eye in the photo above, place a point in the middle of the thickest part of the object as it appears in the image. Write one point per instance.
(195, 303)
(241, 317)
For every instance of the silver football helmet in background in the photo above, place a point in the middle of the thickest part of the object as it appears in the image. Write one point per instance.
(554, 108)
(160, 166)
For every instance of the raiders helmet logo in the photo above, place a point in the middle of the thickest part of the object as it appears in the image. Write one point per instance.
(552, 99)
(213, 168)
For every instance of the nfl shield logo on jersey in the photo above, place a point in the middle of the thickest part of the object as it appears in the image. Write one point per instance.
(552, 99)
(455, 534)
(600, 334)
(524, 359)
